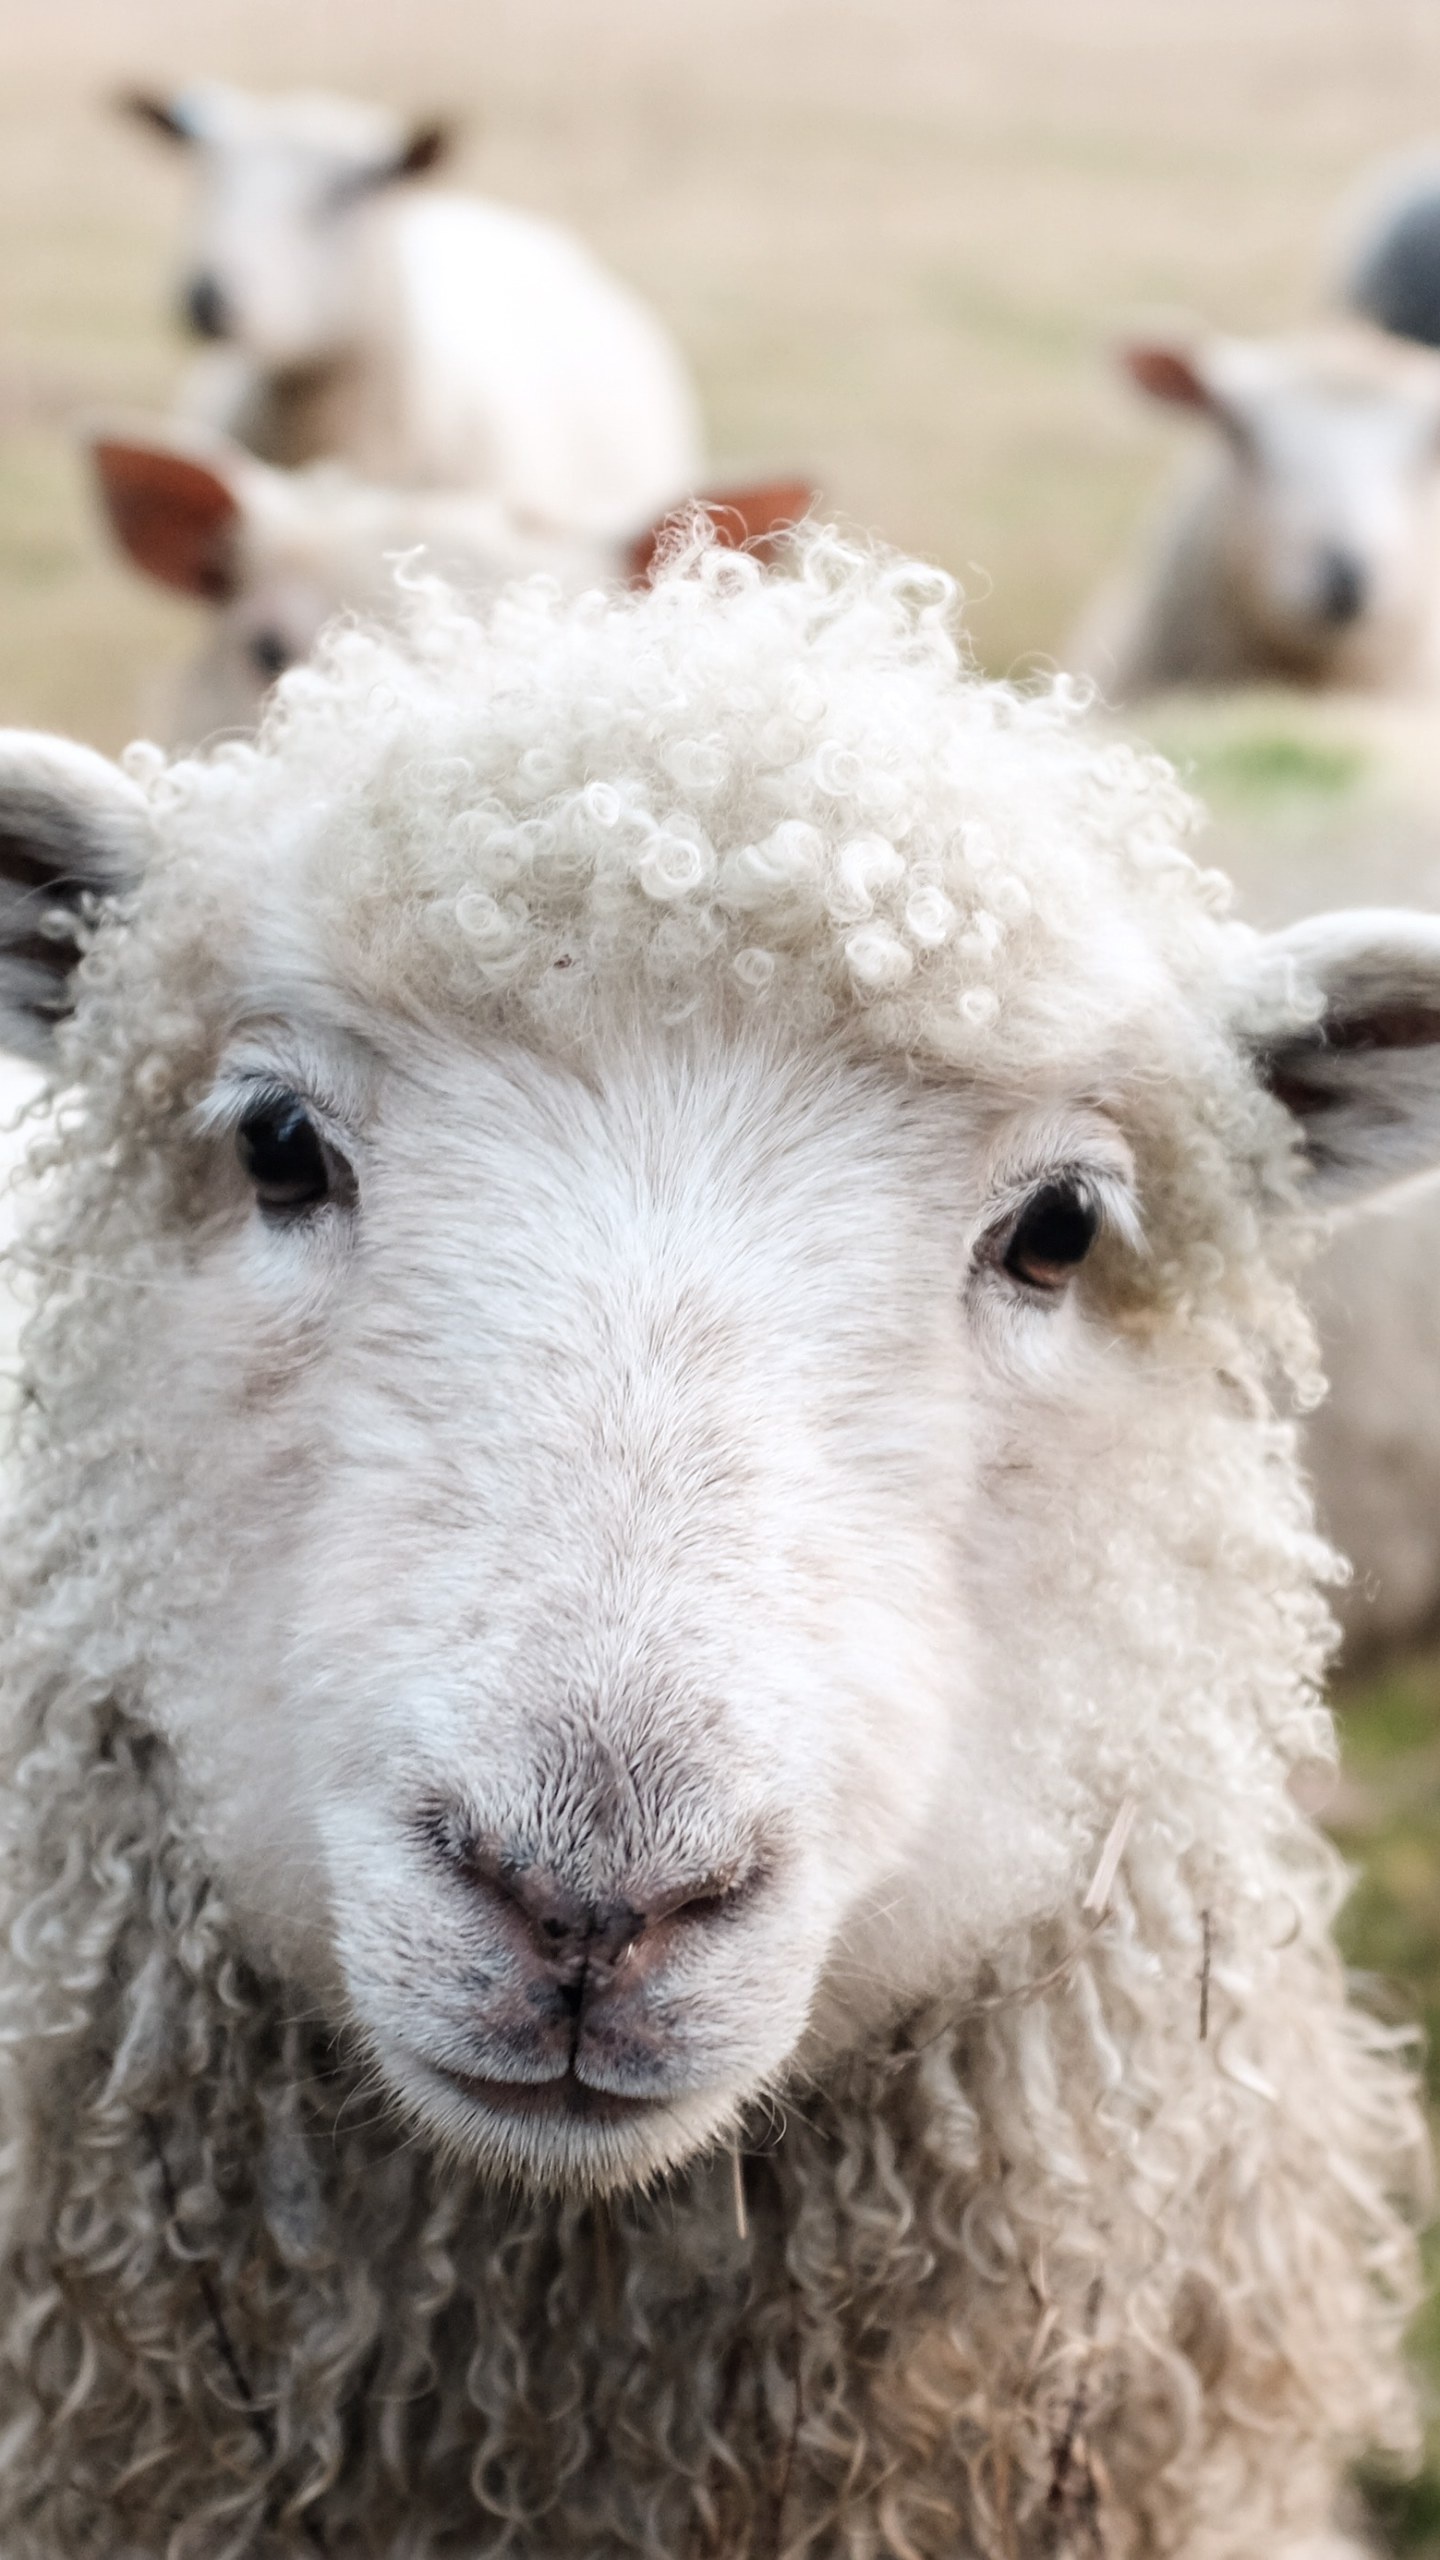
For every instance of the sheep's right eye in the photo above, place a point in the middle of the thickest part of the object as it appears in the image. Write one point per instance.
(1051, 1237)
(285, 1157)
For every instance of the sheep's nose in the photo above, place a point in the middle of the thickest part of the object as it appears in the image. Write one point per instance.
(207, 313)
(577, 1938)
(1343, 587)
(562, 1926)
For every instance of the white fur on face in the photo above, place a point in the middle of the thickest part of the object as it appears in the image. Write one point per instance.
(282, 218)
(652, 1496)
(1333, 526)
(602, 1484)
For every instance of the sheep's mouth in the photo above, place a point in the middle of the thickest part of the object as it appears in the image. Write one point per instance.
(568, 2099)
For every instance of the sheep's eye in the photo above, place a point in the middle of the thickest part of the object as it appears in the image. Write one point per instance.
(285, 1156)
(270, 654)
(1051, 1236)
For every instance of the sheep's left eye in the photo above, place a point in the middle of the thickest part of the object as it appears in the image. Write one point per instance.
(1051, 1237)
(287, 1160)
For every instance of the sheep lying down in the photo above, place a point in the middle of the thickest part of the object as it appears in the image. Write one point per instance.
(427, 338)
(275, 555)
(659, 1610)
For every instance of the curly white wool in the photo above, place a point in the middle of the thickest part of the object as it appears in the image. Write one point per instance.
(771, 794)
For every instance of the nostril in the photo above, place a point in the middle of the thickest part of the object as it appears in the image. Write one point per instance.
(1343, 587)
(206, 311)
(572, 1932)
(721, 1896)
(560, 1923)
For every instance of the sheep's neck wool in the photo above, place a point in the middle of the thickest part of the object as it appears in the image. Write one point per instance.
(688, 989)
(908, 2340)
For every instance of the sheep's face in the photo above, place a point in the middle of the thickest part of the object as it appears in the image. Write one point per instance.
(1328, 502)
(605, 1689)
(667, 1473)
(271, 623)
(280, 243)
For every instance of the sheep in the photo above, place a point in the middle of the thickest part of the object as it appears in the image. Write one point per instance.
(1305, 547)
(277, 555)
(657, 1617)
(1390, 269)
(427, 339)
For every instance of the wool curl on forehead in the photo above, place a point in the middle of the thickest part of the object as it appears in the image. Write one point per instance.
(784, 789)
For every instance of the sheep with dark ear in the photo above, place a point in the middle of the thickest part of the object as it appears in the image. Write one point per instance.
(656, 1623)
(423, 337)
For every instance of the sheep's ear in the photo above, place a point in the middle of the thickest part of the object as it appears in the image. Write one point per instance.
(162, 115)
(748, 519)
(1363, 1077)
(73, 828)
(426, 145)
(1170, 371)
(175, 517)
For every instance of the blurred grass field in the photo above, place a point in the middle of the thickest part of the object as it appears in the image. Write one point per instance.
(896, 237)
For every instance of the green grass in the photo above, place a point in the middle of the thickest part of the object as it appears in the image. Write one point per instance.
(1240, 765)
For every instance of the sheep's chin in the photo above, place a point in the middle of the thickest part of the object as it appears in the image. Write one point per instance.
(559, 2152)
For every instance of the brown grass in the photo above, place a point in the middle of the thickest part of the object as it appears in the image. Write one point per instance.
(895, 236)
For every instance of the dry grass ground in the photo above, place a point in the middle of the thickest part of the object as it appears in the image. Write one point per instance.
(895, 237)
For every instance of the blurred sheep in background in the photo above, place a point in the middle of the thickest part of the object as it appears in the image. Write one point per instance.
(276, 555)
(1304, 544)
(427, 339)
(1390, 268)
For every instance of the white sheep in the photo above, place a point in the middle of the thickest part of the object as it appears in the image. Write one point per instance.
(656, 1621)
(424, 338)
(1305, 545)
(276, 555)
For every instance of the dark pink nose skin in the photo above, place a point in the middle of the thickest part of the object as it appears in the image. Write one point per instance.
(580, 1993)
(580, 1950)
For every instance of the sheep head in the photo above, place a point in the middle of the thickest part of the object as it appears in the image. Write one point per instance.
(1324, 500)
(674, 1196)
(275, 262)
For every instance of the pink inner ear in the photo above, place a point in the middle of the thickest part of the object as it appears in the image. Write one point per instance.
(752, 516)
(1167, 373)
(176, 519)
